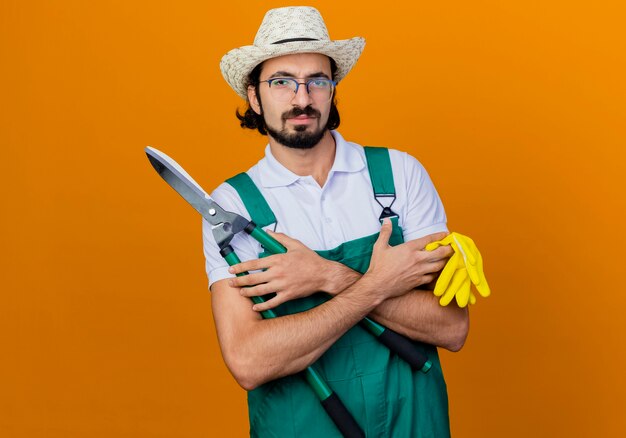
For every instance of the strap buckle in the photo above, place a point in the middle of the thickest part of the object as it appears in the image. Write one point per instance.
(387, 211)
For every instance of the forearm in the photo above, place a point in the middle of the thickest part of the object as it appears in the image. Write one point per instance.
(259, 350)
(417, 314)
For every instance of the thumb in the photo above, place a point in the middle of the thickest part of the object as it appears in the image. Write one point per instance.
(385, 233)
(285, 240)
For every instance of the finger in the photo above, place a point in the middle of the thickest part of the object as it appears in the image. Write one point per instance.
(483, 286)
(472, 258)
(446, 276)
(249, 280)
(432, 245)
(431, 241)
(476, 271)
(385, 233)
(428, 278)
(467, 248)
(269, 304)
(457, 279)
(252, 265)
(446, 297)
(474, 274)
(483, 289)
(462, 296)
(436, 267)
(285, 240)
(441, 253)
(472, 298)
(256, 291)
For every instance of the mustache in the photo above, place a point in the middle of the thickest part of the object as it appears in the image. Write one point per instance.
(308, 111)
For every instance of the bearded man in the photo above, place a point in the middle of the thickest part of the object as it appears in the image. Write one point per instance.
(324, 198)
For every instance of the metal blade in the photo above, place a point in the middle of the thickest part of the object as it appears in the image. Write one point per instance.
(225, 223)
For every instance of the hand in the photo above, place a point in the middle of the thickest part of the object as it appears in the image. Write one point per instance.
(465, 267)
(297, 273)
(398, 269)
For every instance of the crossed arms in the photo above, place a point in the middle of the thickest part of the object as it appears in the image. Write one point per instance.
(257, 350)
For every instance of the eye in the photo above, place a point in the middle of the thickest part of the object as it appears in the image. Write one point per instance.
(280, 83)
(319, 83)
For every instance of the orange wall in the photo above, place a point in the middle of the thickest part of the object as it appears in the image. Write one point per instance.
(517, 110)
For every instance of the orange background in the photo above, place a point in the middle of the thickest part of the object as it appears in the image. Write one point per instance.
(517, 110)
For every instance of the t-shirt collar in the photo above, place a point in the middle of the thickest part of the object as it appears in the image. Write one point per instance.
(274, 174)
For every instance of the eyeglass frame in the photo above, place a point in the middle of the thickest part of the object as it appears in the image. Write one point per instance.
(306, 84)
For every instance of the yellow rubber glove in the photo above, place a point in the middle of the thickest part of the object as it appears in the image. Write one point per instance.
(464, 267)
(454, 282)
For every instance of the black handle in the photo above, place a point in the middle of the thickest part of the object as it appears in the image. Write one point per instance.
(406, 349)
(341, 417)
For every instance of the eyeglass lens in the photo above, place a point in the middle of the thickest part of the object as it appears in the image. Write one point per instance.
(284, 89)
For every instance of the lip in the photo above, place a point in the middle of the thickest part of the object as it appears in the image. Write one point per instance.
(301, 119)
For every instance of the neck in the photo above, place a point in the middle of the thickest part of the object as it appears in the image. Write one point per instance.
(316, 161)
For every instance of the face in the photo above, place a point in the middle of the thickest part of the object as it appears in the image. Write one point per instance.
(301, 121)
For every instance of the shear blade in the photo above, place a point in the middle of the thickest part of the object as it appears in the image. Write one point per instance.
(225, 224)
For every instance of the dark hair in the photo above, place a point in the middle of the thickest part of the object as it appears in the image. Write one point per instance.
(252, 120)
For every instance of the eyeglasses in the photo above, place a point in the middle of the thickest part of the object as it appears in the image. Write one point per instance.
(285, 89)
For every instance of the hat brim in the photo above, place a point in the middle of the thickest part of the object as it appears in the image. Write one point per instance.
(237, 64)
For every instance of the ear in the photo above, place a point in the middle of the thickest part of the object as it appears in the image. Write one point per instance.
(253, 99)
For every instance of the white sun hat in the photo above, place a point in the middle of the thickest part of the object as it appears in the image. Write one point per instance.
(284, 31)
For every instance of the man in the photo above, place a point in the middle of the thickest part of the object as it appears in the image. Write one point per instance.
(317, 191)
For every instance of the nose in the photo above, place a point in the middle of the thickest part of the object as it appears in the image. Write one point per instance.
(302, 98)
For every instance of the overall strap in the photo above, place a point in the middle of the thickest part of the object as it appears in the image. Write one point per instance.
(381, 175)
(258, 208)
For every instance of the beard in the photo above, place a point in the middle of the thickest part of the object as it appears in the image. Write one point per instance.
(301, 138)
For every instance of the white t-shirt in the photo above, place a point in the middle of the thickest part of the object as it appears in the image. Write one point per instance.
(324, 217)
